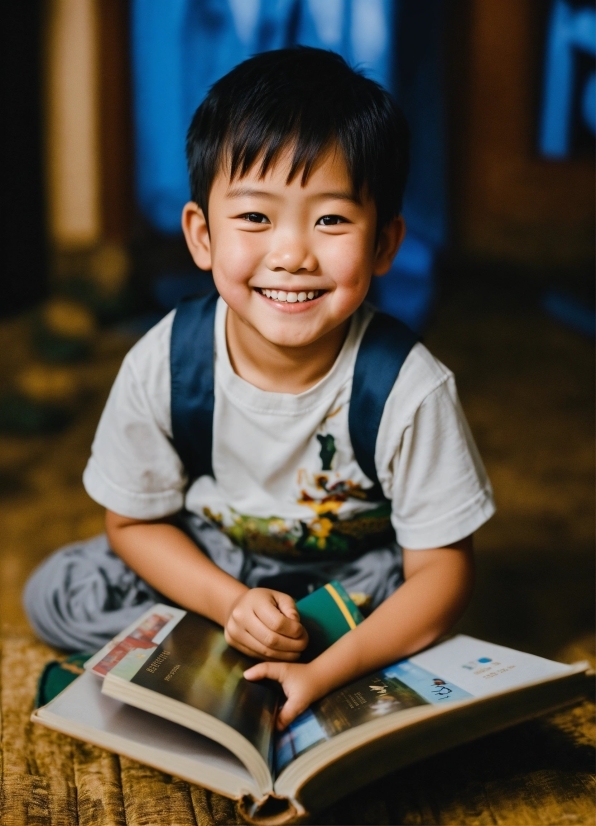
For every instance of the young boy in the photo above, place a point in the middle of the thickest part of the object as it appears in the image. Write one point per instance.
(297, 167)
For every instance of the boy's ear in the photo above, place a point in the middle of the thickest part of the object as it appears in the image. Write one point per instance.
(196, 232)
(389, 242)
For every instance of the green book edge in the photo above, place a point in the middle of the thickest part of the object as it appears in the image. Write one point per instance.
(327, 614)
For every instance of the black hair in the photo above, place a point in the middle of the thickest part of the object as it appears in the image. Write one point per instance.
(308, 100)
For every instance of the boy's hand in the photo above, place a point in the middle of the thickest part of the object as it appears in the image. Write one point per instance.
(437, 587)
(299, 684)
(265, 624)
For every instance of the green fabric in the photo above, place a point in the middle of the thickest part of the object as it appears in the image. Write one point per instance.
(58, 674)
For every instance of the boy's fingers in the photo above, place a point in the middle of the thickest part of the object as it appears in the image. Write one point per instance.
(290, 625)
(273, 640)
(262, 671)
(270, 614)
(287, 606)
(293, 705)
(256, 651)
(255, 639)
(288, 712)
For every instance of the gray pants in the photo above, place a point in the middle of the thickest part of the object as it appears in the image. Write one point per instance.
(84, 594)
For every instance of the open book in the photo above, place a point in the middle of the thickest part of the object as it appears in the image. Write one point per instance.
(169, 692)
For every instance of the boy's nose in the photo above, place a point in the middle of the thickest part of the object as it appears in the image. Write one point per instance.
(291, 255)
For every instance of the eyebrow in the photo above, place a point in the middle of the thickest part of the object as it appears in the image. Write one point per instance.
(248, 191)
(340, 196)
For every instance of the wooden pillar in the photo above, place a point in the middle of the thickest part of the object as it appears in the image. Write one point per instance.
(72, 117)
(89, 151)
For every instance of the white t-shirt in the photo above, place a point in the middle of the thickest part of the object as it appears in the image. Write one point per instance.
(286, 479)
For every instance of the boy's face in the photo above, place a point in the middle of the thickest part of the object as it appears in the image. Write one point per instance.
(292, 262)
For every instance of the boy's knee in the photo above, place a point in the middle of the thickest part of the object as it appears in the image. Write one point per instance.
(82, 595)
(38, 601)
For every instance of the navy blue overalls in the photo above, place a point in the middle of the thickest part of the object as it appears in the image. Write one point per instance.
(382, 352)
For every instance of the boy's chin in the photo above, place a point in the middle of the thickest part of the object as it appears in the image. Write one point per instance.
(299, 337)
(285, 340)
(286, 330)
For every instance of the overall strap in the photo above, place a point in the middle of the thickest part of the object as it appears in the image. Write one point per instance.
(383, 350)
(192, 382)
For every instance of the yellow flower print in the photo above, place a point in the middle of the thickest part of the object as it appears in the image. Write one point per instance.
(328, 504)
(321, 528)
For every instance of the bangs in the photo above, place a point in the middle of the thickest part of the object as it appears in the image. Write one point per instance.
(304, 102)
(248, 147)
(302, 122)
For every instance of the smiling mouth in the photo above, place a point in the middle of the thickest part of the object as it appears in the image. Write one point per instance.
(290, 297)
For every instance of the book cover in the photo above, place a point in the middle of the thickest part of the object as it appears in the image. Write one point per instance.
(327, 614)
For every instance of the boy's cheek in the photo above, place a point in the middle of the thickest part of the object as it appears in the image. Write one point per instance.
(231, 269)
(236, 258)
(349, 262)
(351, 273)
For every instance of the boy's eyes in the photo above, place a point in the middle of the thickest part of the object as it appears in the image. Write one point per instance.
(331, 220)
(324, 221)
(255, 217)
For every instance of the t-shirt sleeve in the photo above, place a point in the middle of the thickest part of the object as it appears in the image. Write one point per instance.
(133, 469)
(434, 475)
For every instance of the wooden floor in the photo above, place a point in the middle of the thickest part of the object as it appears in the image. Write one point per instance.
(527, 387)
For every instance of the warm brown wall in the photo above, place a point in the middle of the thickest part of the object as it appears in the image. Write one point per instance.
(509, 203)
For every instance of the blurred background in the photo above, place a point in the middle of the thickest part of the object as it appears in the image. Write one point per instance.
(496, 271)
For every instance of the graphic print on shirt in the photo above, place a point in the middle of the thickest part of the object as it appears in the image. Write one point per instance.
(345, 520)
(328, 449)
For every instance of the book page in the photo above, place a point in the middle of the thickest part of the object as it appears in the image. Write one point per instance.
(459, 669)
(185, 656)
(483, 668)
(394, 689)
(145, 633)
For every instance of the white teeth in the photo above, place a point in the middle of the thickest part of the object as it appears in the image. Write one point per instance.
(290, 297)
